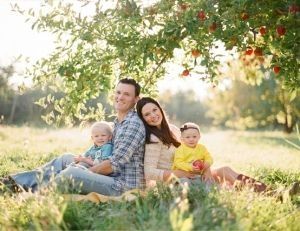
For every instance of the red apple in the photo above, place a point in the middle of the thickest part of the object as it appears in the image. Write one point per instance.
(195, 53)
(258, 52)
(201, 15)
(198, 164)
(185, 73)
(280, 30)
(249, 51)
(293, 9)
(263, 30)
(276, 69)
(244, 16)
(212, 27)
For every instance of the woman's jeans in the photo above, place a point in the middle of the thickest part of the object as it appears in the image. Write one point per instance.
(68, 178)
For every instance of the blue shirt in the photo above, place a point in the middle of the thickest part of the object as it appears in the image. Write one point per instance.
(127, 160)
(99, 153)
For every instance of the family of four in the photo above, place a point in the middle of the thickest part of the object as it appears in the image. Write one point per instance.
(142, 149)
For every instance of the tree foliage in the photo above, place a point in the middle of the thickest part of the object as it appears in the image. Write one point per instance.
(129, 39)
(252, 98)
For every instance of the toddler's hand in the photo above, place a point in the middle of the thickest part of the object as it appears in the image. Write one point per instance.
(78, 158)
(198, 165)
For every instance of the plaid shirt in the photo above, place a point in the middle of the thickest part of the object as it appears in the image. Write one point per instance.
(127, 160)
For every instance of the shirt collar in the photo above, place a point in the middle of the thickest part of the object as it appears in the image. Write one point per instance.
(129, 115)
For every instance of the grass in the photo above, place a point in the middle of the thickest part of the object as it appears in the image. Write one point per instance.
(264, 155)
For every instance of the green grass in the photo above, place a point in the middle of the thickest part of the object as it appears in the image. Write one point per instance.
(264, 155)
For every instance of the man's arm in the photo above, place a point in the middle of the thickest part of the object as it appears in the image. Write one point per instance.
(103, 168)
(129, 140)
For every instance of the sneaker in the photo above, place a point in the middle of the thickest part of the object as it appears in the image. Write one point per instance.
(9, 184)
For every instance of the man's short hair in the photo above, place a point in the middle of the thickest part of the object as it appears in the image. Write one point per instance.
(132, 82)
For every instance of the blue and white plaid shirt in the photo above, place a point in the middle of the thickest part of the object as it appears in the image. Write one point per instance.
(127, 160)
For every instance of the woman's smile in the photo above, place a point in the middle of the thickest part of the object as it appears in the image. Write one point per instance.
(152, 115)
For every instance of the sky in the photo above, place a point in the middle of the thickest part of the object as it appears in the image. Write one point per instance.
(17, 38)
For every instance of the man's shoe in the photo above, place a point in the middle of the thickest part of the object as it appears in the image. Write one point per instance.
(9, 184)
(294, 189)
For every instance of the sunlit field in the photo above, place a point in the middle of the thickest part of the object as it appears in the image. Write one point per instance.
(265, 155)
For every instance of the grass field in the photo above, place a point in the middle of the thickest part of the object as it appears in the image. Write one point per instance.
(264, 155)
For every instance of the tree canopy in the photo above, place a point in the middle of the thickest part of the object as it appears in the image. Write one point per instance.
(131, 39)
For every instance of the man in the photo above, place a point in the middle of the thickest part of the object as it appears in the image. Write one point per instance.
(124, 171)
(126, 165)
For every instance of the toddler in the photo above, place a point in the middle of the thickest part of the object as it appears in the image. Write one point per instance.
(190, 155)
(101, 134)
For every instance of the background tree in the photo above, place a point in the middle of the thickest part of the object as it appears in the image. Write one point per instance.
(130, 39)
(6, 92)
(252, 98)
(183, 106)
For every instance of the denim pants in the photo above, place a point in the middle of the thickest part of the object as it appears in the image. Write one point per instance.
(78, 178)
(81, 180)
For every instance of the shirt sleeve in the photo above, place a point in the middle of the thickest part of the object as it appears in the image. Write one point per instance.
(128, 141)
(152, 154)
(180, 161)
(87, 152)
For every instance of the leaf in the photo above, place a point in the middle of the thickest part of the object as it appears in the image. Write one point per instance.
(293, 95)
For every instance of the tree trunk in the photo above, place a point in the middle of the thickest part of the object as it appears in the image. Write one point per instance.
(13, 109)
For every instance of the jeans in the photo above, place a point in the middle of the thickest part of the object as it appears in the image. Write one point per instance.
(80, 180)
(34, 179)
(68, 176)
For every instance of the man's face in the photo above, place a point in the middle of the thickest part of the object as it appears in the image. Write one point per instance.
(125, 98)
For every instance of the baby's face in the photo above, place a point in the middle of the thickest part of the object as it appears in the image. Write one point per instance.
(190, 137)
(100, 136)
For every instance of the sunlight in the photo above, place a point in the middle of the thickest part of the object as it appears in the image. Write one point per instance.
(19, 39)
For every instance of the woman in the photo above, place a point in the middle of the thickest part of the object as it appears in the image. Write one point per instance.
(161, 142)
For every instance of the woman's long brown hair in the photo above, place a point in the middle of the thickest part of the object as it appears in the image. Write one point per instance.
(164, 134)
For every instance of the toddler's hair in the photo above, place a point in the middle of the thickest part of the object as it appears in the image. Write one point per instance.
(189, 125)
(102, 125)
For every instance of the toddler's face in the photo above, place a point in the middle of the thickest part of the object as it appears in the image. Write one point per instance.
(190, 137)
(100, 136)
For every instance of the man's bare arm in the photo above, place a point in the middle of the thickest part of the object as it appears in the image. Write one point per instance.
(103, 168)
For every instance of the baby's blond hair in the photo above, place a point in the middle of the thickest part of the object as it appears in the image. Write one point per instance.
(102, 125)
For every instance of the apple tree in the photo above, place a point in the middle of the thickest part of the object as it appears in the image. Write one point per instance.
(137, 39)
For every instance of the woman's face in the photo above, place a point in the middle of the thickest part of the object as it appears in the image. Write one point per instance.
(152, 115)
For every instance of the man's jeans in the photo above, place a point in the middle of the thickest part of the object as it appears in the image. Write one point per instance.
(83, 180)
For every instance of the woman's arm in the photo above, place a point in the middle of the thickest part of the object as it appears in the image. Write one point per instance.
(153, 153)
(151, 158)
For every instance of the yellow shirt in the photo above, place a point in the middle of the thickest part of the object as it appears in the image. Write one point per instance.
(184, 157)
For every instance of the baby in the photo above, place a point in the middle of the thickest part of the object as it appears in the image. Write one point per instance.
(101, 134)
(190, 155)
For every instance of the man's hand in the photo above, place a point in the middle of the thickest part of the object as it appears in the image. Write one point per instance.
(103, 168)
